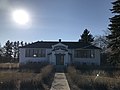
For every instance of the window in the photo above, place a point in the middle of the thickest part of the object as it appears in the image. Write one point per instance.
(84, 53)
(35, 53)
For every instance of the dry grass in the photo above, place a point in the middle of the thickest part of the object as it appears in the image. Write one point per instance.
(9, 80)
(4, 76)
(9, 65)
(91, 80)
(46, 70)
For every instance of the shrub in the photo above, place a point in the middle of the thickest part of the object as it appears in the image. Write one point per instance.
(72, 73)
(47, 75)
(45, 71)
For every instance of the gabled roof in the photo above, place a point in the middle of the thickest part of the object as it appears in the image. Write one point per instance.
(71, 45)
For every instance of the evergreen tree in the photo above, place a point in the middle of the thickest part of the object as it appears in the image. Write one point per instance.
(15, 49)
(25, 43)
(86, 37)
(22, 43)
(8, 49)
(114, 36)
(0, 51)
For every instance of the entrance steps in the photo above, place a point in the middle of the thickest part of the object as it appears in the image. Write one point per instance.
(60, 68)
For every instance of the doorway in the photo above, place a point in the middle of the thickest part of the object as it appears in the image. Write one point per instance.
(59, 59)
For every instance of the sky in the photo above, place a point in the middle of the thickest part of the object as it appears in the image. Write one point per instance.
(54, 19)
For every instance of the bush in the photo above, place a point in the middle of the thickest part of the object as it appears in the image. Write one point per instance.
(45, 71)
(47, 75)
(72, 73)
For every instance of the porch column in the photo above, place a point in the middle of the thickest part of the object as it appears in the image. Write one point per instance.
(66, 59)
(53, 58)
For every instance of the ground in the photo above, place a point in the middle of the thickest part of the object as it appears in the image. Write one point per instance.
(41, 76)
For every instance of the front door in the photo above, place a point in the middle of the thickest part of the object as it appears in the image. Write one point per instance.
(59, 59)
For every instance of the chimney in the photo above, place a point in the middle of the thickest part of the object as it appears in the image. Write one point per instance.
(59, 40)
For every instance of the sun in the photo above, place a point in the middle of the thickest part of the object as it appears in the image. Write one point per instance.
(20, 16)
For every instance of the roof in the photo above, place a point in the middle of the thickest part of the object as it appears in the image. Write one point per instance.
(71, 45)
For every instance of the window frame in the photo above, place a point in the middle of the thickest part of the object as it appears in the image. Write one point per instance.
(84, 53)
(35, 52)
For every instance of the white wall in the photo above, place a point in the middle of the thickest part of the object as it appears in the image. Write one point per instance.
(52, 59)
(22, 55)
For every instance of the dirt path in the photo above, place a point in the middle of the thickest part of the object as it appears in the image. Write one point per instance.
(60, 82)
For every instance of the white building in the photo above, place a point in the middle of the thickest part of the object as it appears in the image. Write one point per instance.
(60, 53)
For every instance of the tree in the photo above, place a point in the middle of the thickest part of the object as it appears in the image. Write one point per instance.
(10, 52)
(25, 43)
(15, 49)
(101, 41)
(22, 43)
(86, 37)
(0, 51)
(114, 36)
(8, 49)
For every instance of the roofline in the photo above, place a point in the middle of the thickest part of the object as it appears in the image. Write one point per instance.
(64, 42)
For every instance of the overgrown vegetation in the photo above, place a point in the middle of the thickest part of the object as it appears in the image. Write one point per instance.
(33, 66)
(6, 66)
(31, 80)
(93, 79)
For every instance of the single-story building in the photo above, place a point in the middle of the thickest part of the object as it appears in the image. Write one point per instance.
(60, 53)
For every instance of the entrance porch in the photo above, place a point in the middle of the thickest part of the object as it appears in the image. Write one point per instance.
(59, 55)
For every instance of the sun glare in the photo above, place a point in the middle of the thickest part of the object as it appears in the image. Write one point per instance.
(20, 16)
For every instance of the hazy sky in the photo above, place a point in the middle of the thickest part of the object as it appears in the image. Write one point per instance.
(54, 19)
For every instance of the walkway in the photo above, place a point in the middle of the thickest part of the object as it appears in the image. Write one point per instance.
(60, 82)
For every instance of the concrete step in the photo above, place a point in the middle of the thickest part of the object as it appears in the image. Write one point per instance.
(59, 68)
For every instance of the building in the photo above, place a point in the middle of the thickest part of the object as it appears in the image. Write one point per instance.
(60, 53)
